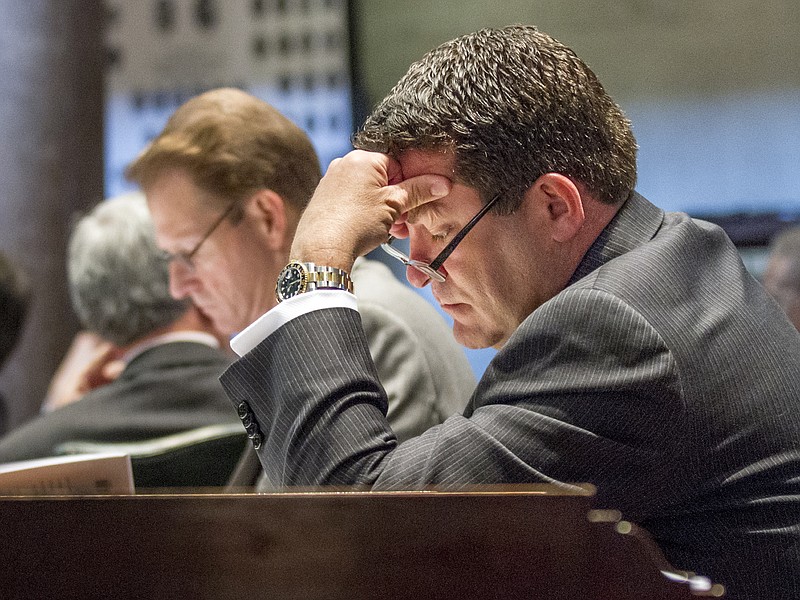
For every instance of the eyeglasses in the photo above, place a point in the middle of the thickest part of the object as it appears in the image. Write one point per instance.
(431, 269)
(185, 258)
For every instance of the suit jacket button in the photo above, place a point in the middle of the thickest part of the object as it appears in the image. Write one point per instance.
(257, 439)
(243, 409)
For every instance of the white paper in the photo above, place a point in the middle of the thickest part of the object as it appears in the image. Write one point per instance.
(80, 474)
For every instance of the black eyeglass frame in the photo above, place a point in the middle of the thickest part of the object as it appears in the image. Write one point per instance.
(185, 258)
(431, 269)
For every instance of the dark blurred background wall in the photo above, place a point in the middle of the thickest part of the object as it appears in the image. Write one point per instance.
(51, 131)
(639, 48)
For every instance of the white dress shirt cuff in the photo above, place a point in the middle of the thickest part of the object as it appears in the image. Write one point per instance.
(287, 310)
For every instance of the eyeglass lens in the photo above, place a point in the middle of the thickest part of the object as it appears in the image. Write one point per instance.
(185, 258)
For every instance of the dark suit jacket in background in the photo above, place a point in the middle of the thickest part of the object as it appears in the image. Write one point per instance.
(167, 389)
(3, 415)
(663, 374)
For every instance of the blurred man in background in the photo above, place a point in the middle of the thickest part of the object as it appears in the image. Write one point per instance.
(782, 273)
(168, 350)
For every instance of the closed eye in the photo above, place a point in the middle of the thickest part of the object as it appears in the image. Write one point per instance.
(441, 237)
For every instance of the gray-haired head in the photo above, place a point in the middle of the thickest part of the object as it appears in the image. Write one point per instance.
(512, 104)
(119, 284)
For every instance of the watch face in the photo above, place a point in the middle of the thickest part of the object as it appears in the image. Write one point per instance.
(292, 281)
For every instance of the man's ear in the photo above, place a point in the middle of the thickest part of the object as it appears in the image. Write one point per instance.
(563, 205)
(273, 219)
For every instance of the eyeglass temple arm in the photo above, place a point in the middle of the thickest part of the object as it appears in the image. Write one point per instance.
(448, 250)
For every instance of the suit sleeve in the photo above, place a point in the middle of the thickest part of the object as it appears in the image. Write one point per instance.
(585, 391)
(406, 372)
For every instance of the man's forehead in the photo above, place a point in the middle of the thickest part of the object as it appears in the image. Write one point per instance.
(441, 161)
(418, 161)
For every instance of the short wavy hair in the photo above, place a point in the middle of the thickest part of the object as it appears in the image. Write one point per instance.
(512, 104)
(232, 144)
(119, 283)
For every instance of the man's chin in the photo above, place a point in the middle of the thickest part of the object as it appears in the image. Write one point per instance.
(223, 327)
(471, 338)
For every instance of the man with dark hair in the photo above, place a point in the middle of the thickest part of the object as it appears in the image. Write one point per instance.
(635, 351)
(119, 288)
(15, 297)
(782, 273)
(226, 182)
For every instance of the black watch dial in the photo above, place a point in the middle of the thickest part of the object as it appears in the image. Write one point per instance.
(292, 281)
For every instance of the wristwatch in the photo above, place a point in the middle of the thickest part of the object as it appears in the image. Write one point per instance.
(299, 277)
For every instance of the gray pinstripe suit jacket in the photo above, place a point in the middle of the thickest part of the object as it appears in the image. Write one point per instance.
(663, 374)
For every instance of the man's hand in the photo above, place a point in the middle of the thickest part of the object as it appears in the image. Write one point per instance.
(90, 362)
(355, 205)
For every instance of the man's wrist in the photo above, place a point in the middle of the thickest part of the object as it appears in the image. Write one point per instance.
(301, 277)
(330, 256)
(284, 312)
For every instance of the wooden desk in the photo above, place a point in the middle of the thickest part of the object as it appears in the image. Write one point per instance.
(530, 542)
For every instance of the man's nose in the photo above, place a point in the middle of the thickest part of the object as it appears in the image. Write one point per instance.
(180, 279)
(416, 277)
(418, 249)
